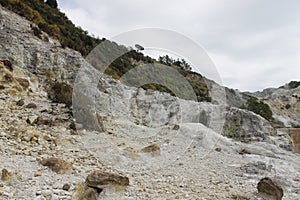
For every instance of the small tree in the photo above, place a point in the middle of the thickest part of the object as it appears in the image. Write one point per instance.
(52, 3)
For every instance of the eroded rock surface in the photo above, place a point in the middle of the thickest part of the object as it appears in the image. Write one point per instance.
(269, 189)
(100, 180)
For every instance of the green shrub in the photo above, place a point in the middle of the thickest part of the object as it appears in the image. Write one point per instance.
(259, 108)
(294, 84)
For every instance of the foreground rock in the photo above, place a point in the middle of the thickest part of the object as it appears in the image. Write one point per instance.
(99, 179)
(269, 189)
(82, 192)
(6, 176)
(57, 165)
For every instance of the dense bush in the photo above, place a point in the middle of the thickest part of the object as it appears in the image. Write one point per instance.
(52, 3)
(294, 84)
(167, 60)
(259, 108)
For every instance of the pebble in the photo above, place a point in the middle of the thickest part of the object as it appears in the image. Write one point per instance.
(31, 105)
(66, 187)
(20, 102)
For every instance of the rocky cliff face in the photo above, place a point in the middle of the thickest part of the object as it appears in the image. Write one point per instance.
(285, 104)
(168, 148)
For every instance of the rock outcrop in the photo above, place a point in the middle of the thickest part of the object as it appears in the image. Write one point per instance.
(246, 126)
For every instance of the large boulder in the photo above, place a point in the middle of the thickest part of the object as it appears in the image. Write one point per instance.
(246, 126)
(99, 179)
(269, 189)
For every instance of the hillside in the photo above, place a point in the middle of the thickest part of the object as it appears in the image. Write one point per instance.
(70, 132)
(55, 23)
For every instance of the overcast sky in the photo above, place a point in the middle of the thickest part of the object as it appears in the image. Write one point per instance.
(254, 44)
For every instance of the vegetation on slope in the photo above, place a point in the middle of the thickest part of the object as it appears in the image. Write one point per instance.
(55, 23)
(294, 84)
(48, 18)
(259, 107)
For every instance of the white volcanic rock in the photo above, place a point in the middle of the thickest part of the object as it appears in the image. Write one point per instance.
(195, 161)
(246, 126)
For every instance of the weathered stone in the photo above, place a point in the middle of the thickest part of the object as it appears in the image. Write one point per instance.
(99, 179)
(31, 105)
(66, 187)
(269, 189)
(44, 121)
(82, 192)
(153, 149)
(6, 176)
(57, 165)
(20, 102)
(2, 87)
(7, 64)
(246, 126)
(23, 82)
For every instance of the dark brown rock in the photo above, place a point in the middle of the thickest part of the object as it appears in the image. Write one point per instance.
(23, 82)
(66, 187)
(7, 64)
(2, 87)
(20, 102)
(269, 189)
(31, 105)
(72, 125)
(99, 179)
(218, 149)
(44, 121)
(175, 127)
(57, 165)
